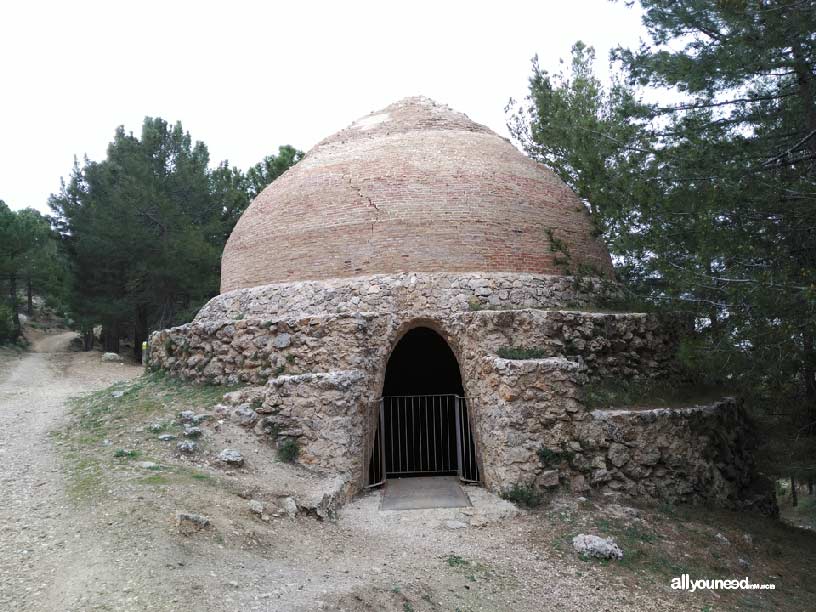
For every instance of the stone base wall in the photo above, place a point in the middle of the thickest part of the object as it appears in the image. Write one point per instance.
(318, 378)
(700, 454)
(396, 293)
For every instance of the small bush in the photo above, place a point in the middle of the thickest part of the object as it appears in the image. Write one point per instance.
(288, 451)
(121, 453)
(520, 352)
(7, 330)
(523, 495)
(550, 457)
(475, 305)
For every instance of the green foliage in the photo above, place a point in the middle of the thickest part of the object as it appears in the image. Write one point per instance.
(144, 228)
(520, 352)
(549, 457)
(288, 450)
(654, 393)
(28, 260)
(706, 203)
(523, 495)
(7, 330)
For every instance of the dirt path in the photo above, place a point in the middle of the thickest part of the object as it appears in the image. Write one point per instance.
(119, 548)
(37, 528)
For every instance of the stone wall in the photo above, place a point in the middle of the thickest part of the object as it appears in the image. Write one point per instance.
(318, 377)
(535, 432)
(415, 293)
(254, 350)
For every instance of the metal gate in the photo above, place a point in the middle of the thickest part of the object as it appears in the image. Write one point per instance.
(421, 435)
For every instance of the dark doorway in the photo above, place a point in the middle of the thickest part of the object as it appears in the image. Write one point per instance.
(422, 363)
(424, 428)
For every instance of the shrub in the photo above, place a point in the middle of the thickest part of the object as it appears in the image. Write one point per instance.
(288, 451)
(523, 495)
(549, 457)
(7, 330)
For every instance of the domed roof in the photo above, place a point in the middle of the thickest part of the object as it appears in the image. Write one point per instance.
(415, 187)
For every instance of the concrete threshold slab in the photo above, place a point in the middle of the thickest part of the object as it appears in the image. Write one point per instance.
(423, 492)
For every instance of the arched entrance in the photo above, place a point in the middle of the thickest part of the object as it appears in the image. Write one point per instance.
(423, 425)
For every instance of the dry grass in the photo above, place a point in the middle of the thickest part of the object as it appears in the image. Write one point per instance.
(661, 543)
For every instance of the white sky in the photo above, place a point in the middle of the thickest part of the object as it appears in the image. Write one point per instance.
(246, 77)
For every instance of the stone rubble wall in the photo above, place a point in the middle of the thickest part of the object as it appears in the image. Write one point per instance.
(697, 454)
(535, 432)
(254, 350)
(318, 377)
(409, 292)
(324, 413)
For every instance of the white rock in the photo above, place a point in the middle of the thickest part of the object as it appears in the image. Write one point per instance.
(256, 507)
(111, 357)
(290, 505)
(595, 546)
(232, 457)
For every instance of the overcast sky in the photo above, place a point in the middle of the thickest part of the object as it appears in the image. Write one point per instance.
(246, 77)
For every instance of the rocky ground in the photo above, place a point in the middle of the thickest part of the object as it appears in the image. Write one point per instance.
(92, 489)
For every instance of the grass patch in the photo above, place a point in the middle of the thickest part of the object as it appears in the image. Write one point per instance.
(84, 477)
(523, 495)
(155, 479)
(98, 416)
(520, 352)
(288, 451)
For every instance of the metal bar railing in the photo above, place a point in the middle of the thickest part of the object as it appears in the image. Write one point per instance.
(423, 434)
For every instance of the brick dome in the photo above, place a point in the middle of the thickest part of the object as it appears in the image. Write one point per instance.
(415, 187)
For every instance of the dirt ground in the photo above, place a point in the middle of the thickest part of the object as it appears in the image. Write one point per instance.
(90, 498)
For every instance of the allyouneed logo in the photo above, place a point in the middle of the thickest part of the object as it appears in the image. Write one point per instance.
(685, 583)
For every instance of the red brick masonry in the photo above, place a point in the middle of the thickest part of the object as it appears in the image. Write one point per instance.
(415, 187)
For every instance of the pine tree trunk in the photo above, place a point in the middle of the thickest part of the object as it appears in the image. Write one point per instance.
(794, 496)
(15, 315)
(139, 332)
(88, 340)
(30, 297)
(809, 379)
(110, 338)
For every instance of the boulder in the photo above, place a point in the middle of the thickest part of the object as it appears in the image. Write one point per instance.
(547, 479)
(191, 523)
(111, 358)
(596, 546)
(231, 457)
(290, 506)
(246, 416)
(186, 447)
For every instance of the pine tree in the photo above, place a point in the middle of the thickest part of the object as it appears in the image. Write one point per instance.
(707, 202)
